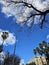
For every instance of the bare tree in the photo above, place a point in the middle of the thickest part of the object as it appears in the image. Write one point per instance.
(27, 11)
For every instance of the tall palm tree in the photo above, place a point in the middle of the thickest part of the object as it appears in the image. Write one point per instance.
(14, 53)
(4, 36)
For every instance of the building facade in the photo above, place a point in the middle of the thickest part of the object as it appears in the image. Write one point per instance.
(38, 61)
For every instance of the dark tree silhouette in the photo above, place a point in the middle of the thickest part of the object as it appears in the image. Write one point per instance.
(1, 48)
(4, 35)
(33, 63)
(9, 60)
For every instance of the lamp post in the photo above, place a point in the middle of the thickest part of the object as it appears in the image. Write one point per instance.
(14, 53)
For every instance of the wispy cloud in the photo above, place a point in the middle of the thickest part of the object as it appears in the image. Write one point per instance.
(47, 36)
(10, 39)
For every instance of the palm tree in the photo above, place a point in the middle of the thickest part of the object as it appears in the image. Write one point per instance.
(14, 52)
(4, 36)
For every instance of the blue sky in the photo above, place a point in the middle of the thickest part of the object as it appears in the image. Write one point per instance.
(27, 40)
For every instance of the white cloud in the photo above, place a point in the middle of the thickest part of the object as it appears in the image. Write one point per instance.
(42, 6)
(2, 56)
(10, 39)
(22, 62)
(47, 36)
(20, 12)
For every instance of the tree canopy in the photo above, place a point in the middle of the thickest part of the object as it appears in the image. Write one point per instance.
(9, 60)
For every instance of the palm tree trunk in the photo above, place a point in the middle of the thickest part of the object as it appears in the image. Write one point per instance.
(14, 53)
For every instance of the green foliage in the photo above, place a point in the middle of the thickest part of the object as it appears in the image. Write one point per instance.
(43, 49)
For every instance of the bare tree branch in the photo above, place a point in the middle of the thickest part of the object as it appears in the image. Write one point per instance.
(42, 14)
